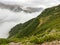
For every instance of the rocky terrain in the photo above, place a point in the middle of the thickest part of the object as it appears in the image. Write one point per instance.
(46, 43)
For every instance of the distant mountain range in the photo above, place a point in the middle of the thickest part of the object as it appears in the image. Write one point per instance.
(18, 8)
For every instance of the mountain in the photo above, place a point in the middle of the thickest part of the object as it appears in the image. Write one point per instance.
(45, 27)
(18, 8)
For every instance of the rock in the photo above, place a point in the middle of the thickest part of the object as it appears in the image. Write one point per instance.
(12, 43)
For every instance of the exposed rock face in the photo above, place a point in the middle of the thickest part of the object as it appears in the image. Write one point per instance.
(52, 43)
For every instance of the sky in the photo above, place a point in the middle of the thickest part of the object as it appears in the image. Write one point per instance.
(9, 19)
(33, 3)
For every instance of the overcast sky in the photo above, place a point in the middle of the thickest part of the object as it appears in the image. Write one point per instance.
(33, 2)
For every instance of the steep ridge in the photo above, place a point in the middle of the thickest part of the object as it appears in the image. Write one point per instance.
(45, 27)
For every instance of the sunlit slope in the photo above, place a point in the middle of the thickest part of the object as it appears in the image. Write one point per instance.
(45, 27)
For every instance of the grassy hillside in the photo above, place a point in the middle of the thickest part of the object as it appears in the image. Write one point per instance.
(45, 27)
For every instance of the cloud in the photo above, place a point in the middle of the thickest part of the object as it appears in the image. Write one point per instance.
(9, 19)
(46, 3)
(33, 3)
(14, 1)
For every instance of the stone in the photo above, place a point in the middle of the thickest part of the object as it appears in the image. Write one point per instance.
(12, 43)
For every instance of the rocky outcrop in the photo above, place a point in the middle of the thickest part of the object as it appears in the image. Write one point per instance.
(12, 43)
(46, 43)
(51, 43)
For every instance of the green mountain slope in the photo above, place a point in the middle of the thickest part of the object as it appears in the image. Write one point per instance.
(45, 27)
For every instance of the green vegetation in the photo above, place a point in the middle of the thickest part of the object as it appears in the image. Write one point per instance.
(45, 27)
(4, 41)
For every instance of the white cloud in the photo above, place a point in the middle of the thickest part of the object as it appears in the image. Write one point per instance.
(8, 19)
(33, 3)
(14, 1)
(23, 1)
(40, 2)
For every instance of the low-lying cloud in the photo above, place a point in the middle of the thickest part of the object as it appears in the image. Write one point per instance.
(9, 19)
